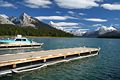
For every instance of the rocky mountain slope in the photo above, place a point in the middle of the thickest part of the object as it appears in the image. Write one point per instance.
(103, 32)
(4, 20)
(27, 25)
(76, 32)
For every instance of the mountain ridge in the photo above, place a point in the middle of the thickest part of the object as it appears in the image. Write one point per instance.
(28, 25)
(104, 32)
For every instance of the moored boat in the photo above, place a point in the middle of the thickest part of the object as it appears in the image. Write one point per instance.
(17, 42)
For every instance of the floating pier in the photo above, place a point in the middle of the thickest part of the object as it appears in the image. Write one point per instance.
(18, 46)
(33, 60)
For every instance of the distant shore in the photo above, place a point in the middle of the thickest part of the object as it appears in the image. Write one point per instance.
(35, 37)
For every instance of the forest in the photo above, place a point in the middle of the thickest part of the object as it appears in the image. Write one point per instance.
(40, 30)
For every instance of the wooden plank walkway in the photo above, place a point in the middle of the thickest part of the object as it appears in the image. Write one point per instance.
(13, 59)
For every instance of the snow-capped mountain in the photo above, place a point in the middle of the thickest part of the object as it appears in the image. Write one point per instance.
(79, 32)
(23, 20)
(14, 19)
(26, 20)
(3, 15)
(27, 25)
(51, 23)
(4, 20)
(104, 29)
(76, 32)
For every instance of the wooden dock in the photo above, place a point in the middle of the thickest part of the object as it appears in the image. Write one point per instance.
(16, 63)
(15, 59)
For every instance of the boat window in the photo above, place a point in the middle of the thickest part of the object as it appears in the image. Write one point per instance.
(23, 39)
(18, 40)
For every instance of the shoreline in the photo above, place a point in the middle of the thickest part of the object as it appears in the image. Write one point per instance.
(54, 37)
(35, 37)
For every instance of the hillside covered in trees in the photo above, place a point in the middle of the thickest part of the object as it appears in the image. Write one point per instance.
(41, 30)
(28, 26)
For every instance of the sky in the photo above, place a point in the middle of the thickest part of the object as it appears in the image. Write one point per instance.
(82, 14)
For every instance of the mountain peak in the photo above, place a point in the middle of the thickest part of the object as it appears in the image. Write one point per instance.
(3, 15)
(4, 19)
(26, 20)
(24, 14)
(112, 28)
(105, 29)
(51, 23)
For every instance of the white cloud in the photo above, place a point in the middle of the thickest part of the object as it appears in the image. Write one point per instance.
(37, 3)
(96, 25)
(6, 4)
(60, 24)
(58, 12)
(54, 17)
(111, 6)
(95, 19)
(77, 4)
(81, 14)
(70, 12)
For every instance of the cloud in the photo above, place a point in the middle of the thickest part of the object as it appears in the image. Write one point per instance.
(54, 17)
(77, 4)
(6, 4)
(37, 3)
(97, 25)
(70, 12)
(81, 14)
(111, 6)
(58, 12)
(60, 24)
(95, 19)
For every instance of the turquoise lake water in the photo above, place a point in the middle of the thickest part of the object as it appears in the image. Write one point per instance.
(105, 66)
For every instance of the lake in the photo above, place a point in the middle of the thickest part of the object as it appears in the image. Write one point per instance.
(105, 66)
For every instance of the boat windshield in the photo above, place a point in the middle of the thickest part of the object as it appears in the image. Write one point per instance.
(20, 40)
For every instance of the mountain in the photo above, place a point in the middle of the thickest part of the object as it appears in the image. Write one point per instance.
(3, 15)
(104, 29)
(51, 23)
(103, 32)
(4, 20)
(113, 34)
(28, 25)
(91, 34)
(76, 32)
(100, 32)
(26, 20)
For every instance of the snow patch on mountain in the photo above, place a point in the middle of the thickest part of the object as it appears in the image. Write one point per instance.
(3, 15)
(4, 20)
(26, 20)
(104, 29)
(69, 29)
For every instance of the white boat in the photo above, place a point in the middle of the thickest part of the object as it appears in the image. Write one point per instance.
(17, 42)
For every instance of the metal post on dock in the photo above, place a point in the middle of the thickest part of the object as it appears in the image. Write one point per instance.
(44, 60)
(14, 66)
(64, 56)
(78, 54)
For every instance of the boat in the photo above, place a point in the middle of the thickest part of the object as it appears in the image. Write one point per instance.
(18, 42)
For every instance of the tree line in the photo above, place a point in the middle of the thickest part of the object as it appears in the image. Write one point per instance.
(11, 30)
